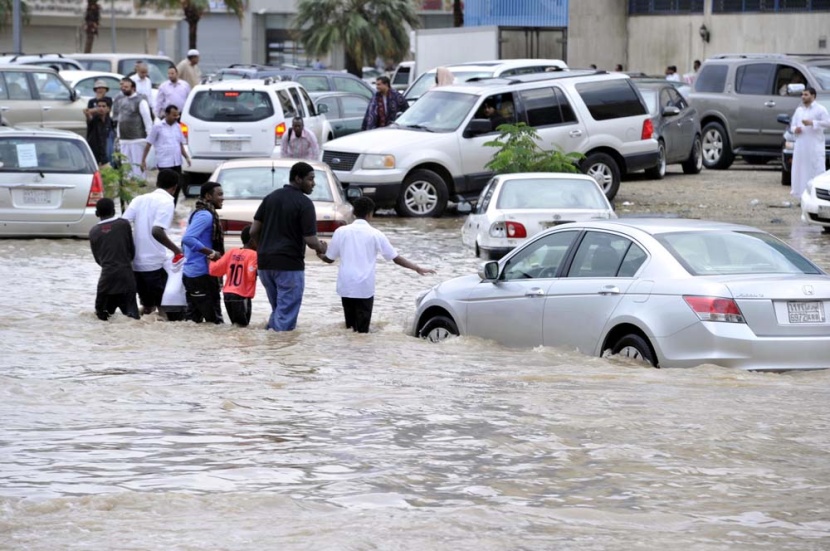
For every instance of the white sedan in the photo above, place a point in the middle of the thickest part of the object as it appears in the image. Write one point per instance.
(815, 202)
(84, 81)
(514, 207)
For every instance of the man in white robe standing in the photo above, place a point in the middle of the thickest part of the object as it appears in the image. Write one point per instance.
(807, 125)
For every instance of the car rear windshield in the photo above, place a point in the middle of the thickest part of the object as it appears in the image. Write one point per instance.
(611, 99)
(427, 81)
(549, 193)
(26, 154)
(231, 106)
(257, 182)
(733, 252)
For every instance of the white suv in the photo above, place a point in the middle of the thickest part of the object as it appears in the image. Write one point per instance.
(435, 151)
(243, 118)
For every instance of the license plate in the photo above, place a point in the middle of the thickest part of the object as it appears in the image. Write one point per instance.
(823, 212)
(554, 223)
(230, 146)
(37, 197)
(805, 312)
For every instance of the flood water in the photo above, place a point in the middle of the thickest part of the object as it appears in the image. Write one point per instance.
(153, 435)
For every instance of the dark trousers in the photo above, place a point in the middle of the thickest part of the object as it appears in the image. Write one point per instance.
(177, 170)
(203, 299)
(239, 309)
(106, 305)
(150, 287)
(358, 313)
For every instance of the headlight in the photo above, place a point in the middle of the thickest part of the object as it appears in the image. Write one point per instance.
(373, 162)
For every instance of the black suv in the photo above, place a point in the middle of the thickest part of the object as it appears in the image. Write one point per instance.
(313, 80)
(740, 96)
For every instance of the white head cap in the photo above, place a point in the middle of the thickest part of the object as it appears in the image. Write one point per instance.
(191, 53)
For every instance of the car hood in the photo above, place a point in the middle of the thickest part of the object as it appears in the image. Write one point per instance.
(381, 140)
(455, 289)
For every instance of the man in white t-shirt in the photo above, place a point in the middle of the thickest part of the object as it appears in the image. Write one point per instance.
(143, 84)
(357, 246)
(151, 216)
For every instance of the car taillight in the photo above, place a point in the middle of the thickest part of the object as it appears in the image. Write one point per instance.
(233, 226)
(648, 130)
(279, 130)
(96, 191)
(328, 226)
(509, 229)
(185, 131)
(715, 309)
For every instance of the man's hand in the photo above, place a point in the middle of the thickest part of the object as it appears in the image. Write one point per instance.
(188, 160)
(143, 166)
(807, 122)
(425, 271)
(323, 248)
(797, 130)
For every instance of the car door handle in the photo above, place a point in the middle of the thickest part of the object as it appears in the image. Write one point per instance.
(3, 108)
(47, 107)
(575, 133)
(769, 103)
(609, 290)
(535, 292)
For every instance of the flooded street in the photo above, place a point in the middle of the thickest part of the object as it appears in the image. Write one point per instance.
(153, 435)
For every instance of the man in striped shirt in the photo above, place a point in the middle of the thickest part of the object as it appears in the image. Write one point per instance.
(299, 144)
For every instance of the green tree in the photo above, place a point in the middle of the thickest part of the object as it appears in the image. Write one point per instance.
(193, 11)
(519, 151)
(6, 8)
(92, 18)
(365, 28)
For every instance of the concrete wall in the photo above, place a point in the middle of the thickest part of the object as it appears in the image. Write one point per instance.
(597, 33)
(67, 39)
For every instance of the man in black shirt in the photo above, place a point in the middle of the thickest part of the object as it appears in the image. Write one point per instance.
(284, 224)
(98, 130)
(112, 246)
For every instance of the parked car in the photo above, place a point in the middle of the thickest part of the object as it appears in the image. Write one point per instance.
(683, 87)
(676, 127)
(243, 118)
(55, 61)
(667, 292)
(789, 143)
(245, 182)
(313, 80)
(343, 110)
(464, 72)
(435, 151)
(403, 76)
(815, 202)
(49, 184)
(739, 98)
(371, 74)
(513, 208)
(124, 64)
(38, 96)
(83, 82)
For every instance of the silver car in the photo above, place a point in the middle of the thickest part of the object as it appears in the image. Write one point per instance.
(671, 293)
(49, 184)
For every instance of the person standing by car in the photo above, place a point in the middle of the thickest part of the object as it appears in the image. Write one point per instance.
(189, 70)
(143, 84)
(284, 225)
(98, 131)
(384, 106)
(807, 125)
(357, 246)
(151, 215)
(131, 113)
(299, 144)
(100, 88)
(173, 91)
(168, 140)
(203, 241)
(111, 241)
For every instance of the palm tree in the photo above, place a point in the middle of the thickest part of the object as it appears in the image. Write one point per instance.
(193, 10)
(457, 13)
(6, 8)
(365, 28)
(92, 18)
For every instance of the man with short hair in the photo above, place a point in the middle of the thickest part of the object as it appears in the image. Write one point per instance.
(298, 143)
(131, 113)
(284, 225)
(98, 131)
(203, 241)
(166, 136)
(671, 73)
(808, 124)
(111, 241)
(173, 91)
(151, 215)
(384, 106)
(189, 70)
(143, 84)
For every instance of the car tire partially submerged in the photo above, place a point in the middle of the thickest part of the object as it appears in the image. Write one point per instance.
(636, 348)
(438, 328)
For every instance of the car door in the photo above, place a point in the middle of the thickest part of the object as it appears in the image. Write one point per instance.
(785, 74)
(333, 113)
(685, 124)
(549, 112)
(19, 105)
(352, 85)
(511, 310)
(579, 305)
(474, 154)
(758, 106)
(60, 109)
(353, 109)
(312, 121)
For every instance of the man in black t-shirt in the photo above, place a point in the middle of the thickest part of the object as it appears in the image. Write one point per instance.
(284, 224)
(112, 246)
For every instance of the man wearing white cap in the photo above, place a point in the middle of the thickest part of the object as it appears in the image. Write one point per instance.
(189, 70)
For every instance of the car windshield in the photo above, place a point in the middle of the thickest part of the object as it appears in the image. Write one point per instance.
(427, 81)
(733, 252)
(25, 154)
(257, 182)
(550, 193)
(157, 69)
(822, 75)
(231, 105)
(438, 111)
(650, 97)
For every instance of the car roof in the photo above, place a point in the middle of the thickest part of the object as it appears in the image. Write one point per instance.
(477, 86)
(36, 131)
(500, 64)
(69, 75)
(549, 175)
(265, 162)
(119, 56)
(802, 57)
(253, 84)
(656, 225)
(24, 67)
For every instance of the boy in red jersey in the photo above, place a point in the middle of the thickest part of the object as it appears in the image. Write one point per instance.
(239, 267)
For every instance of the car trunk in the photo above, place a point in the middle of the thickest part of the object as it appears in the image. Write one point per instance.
(784, 306)
(538, 220)
(32, 198)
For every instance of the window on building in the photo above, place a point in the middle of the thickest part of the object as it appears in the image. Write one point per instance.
(661, 7)
(737, 6)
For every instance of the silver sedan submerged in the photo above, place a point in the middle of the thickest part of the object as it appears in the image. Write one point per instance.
(672, 293)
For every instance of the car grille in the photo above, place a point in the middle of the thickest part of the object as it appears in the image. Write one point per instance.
(823, 194)
(340, 161)
(817, 218)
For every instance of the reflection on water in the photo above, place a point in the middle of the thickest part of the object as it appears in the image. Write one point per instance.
(160, 436)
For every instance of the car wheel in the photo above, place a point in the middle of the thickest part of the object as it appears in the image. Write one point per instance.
(438, 328)
(694, 164)
(786, 178)
(659, 171)
(717, 152)
(603, 168)
(635, 347)
(424, 194)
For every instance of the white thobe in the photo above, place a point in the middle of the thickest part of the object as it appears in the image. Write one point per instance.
(808, 152)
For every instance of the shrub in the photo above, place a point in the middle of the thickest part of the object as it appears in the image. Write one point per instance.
(119, 182)
(519, 151)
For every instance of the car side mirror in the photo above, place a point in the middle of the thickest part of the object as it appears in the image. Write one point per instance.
(671, 111)
(783, 118)
(353, 193)
(489, 271)
(795, 89)
(322, 109)
(476, 127)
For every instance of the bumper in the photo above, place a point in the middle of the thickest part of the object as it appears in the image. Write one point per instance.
(206, 165)
(641, 161)
(382, 186)
(78, 228)
(814, 210)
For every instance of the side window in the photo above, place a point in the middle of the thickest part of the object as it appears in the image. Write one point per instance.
(349, 85)
(665, 99)
(401, 76)
(541, 259)
(314, 83)
(599, 255)
(103, 66)
(295, 95)
(49, 86)
(334, 110)
(288, 109)
(565, 106)
(18, 85)
(541, 108)
(677, 99)
(754, 79)
(486, 194)
(354, 106)
(499, 109)
(787, 75)
(309, 105)
(4, 92)
(633, 259)
(611, 99)
(712, 78)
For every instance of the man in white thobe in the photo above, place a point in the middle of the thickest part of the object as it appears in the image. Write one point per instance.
(807, 125)
(132, 113)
